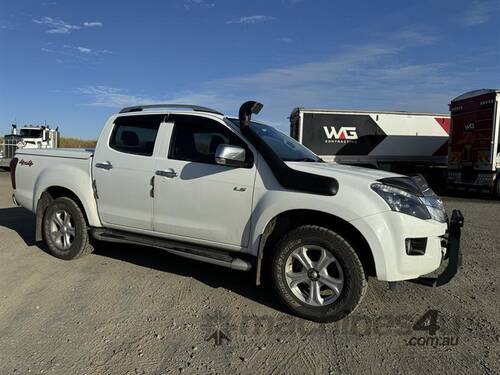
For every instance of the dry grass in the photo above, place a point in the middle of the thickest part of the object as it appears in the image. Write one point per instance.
(66, 142)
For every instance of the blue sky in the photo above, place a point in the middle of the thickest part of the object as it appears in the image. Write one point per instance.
(73, 63)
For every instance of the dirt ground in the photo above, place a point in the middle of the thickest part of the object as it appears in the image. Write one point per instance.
(137, 310)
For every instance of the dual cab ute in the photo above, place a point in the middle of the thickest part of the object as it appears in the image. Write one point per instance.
(240, 194)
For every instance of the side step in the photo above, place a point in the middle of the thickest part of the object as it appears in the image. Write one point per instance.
(204, 254)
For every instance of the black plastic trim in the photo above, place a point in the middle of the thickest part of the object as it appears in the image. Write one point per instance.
(452, 251)
(405, 183)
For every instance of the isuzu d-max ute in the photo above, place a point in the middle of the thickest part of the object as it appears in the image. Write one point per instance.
(240, 194)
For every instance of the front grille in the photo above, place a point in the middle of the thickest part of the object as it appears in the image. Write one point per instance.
(10, 145)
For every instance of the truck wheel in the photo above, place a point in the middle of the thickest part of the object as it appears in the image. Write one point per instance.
(65, 230)
(496, 190)
(318, 274)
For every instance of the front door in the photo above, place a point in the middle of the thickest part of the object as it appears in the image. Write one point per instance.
(195, 198)
(123, 169)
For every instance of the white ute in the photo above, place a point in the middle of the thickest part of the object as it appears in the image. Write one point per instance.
(239, 194)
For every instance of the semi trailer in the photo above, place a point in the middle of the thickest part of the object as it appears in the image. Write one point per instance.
(474, 148)
(400, 142)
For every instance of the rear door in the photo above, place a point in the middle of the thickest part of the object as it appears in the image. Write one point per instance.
(472, 133)
(123, 168)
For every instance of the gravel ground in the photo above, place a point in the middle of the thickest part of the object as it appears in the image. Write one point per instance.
(129, 309)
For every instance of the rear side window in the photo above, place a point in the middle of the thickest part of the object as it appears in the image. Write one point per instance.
(196, 139)
(135, 134)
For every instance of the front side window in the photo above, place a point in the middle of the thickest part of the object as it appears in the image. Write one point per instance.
(135, 134)
(196, 139)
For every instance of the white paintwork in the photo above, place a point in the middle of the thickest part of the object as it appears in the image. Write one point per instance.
(201, 204)
(201, 201)
(69, 169)
(124, 190)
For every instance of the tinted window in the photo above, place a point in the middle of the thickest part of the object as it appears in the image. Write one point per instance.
(196, 139)
(135, 134)
(288, 149)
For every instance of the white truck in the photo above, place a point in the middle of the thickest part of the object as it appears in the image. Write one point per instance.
(28, 136)
(240, 194)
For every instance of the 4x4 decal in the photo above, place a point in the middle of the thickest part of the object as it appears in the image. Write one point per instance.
(29, 163)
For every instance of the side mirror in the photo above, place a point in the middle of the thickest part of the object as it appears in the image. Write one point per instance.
(231, 156)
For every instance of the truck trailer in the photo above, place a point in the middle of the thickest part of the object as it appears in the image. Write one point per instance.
(474, 147)
(400, 142)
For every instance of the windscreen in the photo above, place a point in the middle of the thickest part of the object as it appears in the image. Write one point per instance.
(288, 149)
(30, 133)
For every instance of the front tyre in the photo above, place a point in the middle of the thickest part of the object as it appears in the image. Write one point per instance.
(65, 230)
(318, 274)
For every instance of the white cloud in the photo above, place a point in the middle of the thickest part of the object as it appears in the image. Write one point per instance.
(478, 13)
(89, 51)
(251, 20)
(189, 4)
(6, 25)
(84, 49)
(58, 26)
(416, 37)
(365, 77)
(75, 53)
(92, 24)
(104, 96)
(285, 40)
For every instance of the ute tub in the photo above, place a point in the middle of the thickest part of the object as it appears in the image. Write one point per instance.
(41, 169)
(71, 153)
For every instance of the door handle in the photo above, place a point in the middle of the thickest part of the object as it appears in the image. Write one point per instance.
(169, 172)
(106, 165)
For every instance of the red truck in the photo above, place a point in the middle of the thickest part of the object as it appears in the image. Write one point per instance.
(474, 145)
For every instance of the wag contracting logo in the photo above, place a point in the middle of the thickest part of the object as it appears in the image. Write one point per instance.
(345, 134)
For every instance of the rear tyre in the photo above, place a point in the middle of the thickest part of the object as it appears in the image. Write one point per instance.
(65, 230)
(496, 190)
(317, 274)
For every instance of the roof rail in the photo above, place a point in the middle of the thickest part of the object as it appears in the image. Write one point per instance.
(197, 108)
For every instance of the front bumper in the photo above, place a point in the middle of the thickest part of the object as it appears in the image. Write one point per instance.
(453, 254)
(386, 233)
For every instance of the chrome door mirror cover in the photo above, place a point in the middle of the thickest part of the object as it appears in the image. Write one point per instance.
(231, 156)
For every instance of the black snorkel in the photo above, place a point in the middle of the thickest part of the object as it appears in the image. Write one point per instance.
(287, 177)
(246, 111)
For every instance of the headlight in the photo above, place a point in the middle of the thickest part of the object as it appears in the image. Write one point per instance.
(401, 201)
(435, 206)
